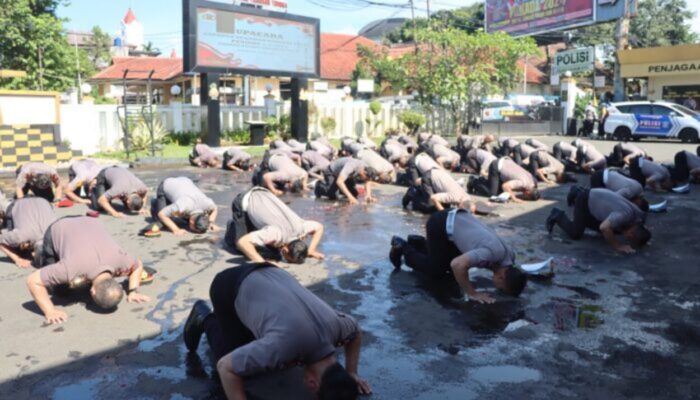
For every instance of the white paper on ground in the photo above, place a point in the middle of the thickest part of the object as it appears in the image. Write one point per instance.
(537, 267)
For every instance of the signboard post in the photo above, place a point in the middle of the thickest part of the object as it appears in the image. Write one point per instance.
(574, 61)
(227, 39)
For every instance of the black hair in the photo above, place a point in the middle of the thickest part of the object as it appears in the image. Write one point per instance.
(201, 223)
(515, 281)
(535, 195)
(244, 164)
(298, 251)
(297, 186)
(640, 236)
(108, 293)
(372, 174)
(42, 181)
(337, 384)
(136, 202)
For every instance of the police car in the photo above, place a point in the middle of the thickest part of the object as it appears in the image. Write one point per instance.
(635, 120)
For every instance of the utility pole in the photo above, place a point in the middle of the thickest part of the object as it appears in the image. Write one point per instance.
(77, 69)
(415, 28)
(40, 52)
(622, 31)
(427, 4)
(525, 76)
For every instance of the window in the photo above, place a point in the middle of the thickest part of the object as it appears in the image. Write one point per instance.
(641, 109)
(661, 110)
(624, 109)
(686, 110)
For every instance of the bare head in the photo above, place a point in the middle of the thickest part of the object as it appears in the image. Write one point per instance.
(134, 202)
(330, 381)
(638, 235)
(106, 292)
(510, 280)
(295, 252)
(199, 223)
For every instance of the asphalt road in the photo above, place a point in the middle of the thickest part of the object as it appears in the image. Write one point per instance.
(606, 326)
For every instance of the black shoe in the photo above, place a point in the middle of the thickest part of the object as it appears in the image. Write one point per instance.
(317, 190)
(408, 197)
(194, 327)
(552, 219)
(470, 184)
(396, 252)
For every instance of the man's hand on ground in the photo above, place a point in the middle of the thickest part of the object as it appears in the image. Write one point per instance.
(352, 201)
(179, 232)
(625, 249)
(143, 212)
(135, 297)
(23, 263)
(117, 214)
(481, 298)
(214, 228)
(316, 255)
(370, 199)
(362, 385)
(56, 316)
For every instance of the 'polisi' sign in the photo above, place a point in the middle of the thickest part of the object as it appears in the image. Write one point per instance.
(577, 60)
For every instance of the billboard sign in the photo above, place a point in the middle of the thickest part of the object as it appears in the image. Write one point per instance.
(273, 5)
(611, 10)
(574, 61)
(221, 38)
(528, 17)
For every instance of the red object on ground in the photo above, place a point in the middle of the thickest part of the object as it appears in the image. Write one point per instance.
(361, 191)
(65, 203)
(93, 214)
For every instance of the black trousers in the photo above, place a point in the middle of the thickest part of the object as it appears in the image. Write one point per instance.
(617, 157)
(240, 225)
(636, 172)
(582, 218)
(556, 152)
(681, 171)
(329, 186)
(420, 196)
(224, 329)
(158, 204)
(517, 155)
(535, 164)
(597, 180)
(101, 186)
(490, 186)
(432, 255)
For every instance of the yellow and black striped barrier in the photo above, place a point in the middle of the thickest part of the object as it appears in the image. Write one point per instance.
(24, 143)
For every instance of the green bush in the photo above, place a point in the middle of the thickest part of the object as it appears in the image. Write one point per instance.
(375, 107)
(140, 138)
(239, 135)
(281, 127)
(391, 132)
(412, 120)
(187, 138)
(328, 125)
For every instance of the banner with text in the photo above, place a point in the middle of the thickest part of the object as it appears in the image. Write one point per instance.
(240, 41)
(527, 17)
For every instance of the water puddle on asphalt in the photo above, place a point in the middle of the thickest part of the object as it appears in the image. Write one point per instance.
(504, 374)
(84, 390)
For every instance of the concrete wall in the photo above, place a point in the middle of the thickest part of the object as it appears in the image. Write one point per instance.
(655, 89)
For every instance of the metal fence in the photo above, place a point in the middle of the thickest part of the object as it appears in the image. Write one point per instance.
(540, 121)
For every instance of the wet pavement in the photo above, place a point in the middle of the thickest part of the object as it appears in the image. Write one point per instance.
(605, 326)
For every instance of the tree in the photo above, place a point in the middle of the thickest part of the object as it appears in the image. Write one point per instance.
(469, 19)
(657, 23)
(150, 48)
(453, 68)
(99, 45)
(32, 40)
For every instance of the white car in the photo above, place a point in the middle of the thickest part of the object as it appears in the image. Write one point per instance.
(497, 110)
(658, 119)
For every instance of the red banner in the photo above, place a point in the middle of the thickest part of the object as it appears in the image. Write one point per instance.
(526, 17)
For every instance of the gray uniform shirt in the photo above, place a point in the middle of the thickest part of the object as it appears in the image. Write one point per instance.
(394, 151)
(205, 153)
(85, 250)
(693, 160)
(276, 223)
(314, 159)
(536, 144)
(450, 156)
(237, 155)
(507, 143)
(448, 191)
(290, 324)
(567, 150)
(185, 197)
(346, 167)
(652, 170)
(605, 204)
(408, 142)
(31, 216)
(33, 169)
(628, 149)
(425, 163)
(122, 183)
(322, 148)
(482, 159)
(480, 243)
(628, 188)
(372, 159)
(84, 171)
(283, 169)
(511, 172)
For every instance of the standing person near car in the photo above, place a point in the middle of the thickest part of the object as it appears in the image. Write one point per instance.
(590, 117)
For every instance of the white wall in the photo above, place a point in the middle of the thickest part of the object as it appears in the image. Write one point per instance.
(23, 110)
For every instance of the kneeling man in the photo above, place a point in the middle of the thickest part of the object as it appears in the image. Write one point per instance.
(118, 183)
(181, 198)
(26, 220)
(263, 223)
(605, 211)
(264, 320)
(456, 242)
(80, 248)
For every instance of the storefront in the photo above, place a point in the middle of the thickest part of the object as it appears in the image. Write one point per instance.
(663, 73)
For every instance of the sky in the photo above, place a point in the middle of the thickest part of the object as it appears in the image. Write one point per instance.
(162, 19)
